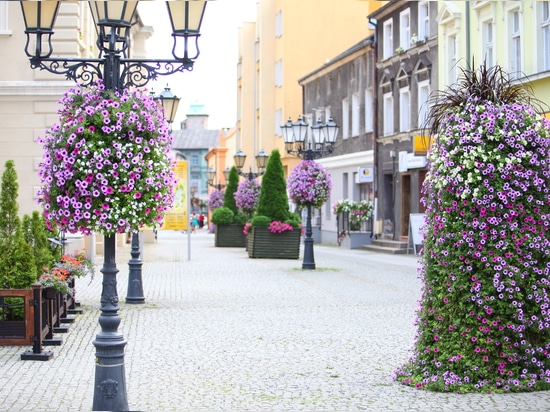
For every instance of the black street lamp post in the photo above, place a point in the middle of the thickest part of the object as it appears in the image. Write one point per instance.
(317, 146)
(135, 294)
(211, 176)
(114, 20)
(261, 162)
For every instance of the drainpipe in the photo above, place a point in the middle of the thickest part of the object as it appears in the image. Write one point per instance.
(375, 128)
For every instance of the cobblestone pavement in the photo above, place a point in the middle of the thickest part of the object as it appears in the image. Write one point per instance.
(223, 332)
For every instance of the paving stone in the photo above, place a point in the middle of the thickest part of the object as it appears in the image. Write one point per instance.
(222, 332)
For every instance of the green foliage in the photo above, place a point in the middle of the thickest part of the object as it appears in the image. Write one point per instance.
(295, 217)
(35, 235)
(240, 218)
(273, 197)
(9, 220)
(222, 216)
(17, 264)
(294, 220)
(260, 220)
(231, 188)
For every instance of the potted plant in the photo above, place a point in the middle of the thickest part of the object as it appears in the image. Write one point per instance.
(215, 200)
(351, 219)
(483, 323)
(228, 219)
(274, 232)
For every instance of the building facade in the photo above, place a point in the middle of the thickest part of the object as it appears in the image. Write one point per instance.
(343, 88)
(406, 75)
(290, 39)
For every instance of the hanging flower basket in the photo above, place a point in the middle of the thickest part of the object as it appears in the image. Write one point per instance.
(309, 183)
(105, 166)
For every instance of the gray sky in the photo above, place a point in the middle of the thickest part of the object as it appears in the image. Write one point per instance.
(213, 81)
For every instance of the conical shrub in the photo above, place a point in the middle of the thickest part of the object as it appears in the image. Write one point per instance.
(273, 201)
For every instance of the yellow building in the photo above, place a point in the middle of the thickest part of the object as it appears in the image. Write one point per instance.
(513, 34)
(290, 39)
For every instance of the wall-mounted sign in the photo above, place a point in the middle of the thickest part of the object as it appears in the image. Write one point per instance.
(421, 144)
(365, 175)
(410, 161)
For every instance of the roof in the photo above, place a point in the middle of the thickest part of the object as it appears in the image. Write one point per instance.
(195, 139)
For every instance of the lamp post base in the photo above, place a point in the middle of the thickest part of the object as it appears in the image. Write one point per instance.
(110, 382)
(135, 284)
(309, 259)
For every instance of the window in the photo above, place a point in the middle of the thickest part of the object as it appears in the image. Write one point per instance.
(388, 39)
(488, 43)
(368, 110)
(452, 58)
(405, 29)
(404, 109)
(544, 10)
(194, 160)
(424, 20)
(388, 114)
(279, 24)
(279, 73)
(423, 102)
(345, 118)
(514, 42)
(355, 106)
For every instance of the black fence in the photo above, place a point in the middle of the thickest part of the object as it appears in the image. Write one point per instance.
(346, 225)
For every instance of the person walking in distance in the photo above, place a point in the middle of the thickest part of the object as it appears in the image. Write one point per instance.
(194, 223)
(201, 221)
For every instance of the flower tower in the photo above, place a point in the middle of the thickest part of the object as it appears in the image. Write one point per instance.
(484, 319)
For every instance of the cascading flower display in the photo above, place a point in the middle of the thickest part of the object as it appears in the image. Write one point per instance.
(105, 166)
(215, 200)
(484, 318)
(309, 183)
(247, 195)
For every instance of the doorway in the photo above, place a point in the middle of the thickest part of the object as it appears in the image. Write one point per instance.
(405, 204)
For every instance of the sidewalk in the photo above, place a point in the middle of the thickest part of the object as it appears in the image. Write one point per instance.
(223, 332)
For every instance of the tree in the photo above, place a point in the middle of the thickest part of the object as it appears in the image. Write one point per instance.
(273, 201)
(230, 189)
(483, 322)
(34, 232)
(17, 264)
(9, 220)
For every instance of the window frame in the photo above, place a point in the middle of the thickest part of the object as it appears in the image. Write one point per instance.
(405, 29)
(388, 48)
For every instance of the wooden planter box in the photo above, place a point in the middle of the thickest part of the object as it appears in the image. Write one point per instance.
(266, 245)
(229, 236)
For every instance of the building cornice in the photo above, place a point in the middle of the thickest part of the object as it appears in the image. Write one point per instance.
(348, 160)
(34, 88)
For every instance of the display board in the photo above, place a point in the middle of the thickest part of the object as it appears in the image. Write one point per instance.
(177, 218)
(416, 226)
